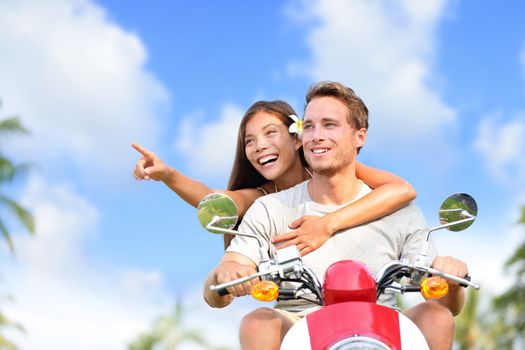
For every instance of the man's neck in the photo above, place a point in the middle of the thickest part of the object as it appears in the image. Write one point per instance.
(336, 189)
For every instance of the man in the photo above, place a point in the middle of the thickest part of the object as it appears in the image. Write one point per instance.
(335, 128)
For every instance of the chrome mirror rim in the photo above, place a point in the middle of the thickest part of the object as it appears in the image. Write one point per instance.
(217, 210)
(458, 212)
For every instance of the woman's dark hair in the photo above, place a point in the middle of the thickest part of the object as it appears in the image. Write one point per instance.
(243, 174)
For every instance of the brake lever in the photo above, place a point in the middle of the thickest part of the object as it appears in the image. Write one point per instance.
(461, 281)
(223, 286)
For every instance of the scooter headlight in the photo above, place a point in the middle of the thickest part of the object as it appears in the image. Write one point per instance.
(359, 343)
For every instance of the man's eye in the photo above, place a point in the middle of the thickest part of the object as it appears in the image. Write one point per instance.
(307, 127)
(330, 125)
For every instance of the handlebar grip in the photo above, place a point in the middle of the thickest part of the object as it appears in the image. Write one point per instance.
(468, 278)
(286, 294)
(410, 289)
(222, 292)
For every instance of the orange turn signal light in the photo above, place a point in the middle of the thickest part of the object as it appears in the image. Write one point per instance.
(434, 287)
(265, 291)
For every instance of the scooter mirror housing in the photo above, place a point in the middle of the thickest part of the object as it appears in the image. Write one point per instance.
(217, 210)
(459, 210)
(456, 213)
(218, 213)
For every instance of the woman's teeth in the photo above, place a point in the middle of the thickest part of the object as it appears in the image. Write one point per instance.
(268, 159)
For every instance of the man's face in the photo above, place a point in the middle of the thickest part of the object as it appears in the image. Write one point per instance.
(330, 143)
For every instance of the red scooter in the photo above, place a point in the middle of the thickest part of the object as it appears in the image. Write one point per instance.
(349, 317)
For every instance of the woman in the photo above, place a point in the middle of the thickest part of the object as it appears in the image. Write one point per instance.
(268, 159)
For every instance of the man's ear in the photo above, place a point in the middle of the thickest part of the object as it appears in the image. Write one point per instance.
(360, 137)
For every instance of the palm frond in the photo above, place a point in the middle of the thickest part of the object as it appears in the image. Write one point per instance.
(145, 341)
(4, 321)
(12, 125)
(7, 236)
(6, 344)
(21, 213)
(522, 217)
(9, 171)
(518, 256)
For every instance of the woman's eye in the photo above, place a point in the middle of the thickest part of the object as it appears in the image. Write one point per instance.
(248, 141)
(270, 132)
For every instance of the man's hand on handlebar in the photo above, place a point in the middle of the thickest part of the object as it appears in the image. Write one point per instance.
(231, 270)
(452, 266)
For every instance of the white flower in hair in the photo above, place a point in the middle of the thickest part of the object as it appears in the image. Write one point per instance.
(297, 126)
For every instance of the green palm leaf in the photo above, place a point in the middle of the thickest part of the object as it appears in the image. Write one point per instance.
(21, 213)
(12, 125)
(510, 305)
(168, 333)
(9, 171)
(7, 236)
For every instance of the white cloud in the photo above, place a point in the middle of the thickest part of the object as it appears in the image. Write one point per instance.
(64, 299)
(64, 221)
(501, 143)
(210, 147)
(385, 51)
(79, 83)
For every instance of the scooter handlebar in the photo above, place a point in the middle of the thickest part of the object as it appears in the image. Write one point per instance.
(464, 282)
(222, 289)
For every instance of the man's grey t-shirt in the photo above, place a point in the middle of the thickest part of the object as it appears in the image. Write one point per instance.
(395, 236)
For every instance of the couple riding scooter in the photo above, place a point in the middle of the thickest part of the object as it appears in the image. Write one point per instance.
(334, 130)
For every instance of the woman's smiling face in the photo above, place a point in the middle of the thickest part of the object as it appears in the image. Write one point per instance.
(269, 146)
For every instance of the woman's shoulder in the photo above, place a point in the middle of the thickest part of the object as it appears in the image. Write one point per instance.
(266, 188)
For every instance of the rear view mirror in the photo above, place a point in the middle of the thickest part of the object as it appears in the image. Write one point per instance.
(217, 210)
(460, 208)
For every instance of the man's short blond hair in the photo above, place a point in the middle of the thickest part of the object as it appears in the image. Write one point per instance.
(357, 111)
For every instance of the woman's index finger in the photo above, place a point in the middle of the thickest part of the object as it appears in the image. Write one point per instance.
(145, 152)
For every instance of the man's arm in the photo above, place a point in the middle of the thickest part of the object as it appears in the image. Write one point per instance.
(390, 193)
(232, 266)
(455, 299)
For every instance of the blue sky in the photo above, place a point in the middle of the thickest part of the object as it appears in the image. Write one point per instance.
(444, 82)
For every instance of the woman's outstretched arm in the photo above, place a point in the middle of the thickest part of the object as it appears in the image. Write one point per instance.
(390, 193)
(150, 166)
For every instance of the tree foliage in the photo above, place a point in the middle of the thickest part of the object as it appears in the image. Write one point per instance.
(9, 172)
(467, 324)
(168, 333)
(510, 306)
(6, 344)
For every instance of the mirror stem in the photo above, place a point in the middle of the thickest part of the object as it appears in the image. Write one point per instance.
(472, 218)
(264, 253)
